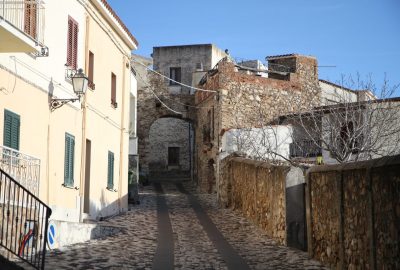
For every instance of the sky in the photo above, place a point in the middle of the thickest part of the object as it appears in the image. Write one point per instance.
(354, 36)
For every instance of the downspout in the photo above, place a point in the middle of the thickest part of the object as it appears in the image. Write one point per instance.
(83, 142)
(121, 147)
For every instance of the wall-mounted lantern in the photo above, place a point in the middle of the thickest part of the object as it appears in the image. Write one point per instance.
(79, 83)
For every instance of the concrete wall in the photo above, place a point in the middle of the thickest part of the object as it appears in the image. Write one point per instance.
(353, 214)
(27, 84)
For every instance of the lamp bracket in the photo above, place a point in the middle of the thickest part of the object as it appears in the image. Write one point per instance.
(56, 103)
(70, 72)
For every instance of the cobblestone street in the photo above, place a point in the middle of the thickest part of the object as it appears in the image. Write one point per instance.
(176, 228)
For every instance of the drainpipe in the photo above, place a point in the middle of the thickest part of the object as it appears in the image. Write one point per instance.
(83, 140)
(121, 146)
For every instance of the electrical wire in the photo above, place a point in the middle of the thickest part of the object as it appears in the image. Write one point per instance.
(155, 95)
(182, 84)
(172, 100)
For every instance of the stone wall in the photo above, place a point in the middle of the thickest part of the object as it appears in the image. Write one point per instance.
(246, 100)
(169, 132)
(258, 191)
(353, 214)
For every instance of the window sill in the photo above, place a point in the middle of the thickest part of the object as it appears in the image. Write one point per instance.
(111, 189)
(70, 187)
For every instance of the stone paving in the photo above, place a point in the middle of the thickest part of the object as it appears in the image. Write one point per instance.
(135, 246)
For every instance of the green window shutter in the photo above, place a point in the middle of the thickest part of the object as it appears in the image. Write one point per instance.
(11, 134)
(110, 175)
(69, 160)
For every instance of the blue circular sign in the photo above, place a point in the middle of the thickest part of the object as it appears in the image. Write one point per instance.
(51, 235)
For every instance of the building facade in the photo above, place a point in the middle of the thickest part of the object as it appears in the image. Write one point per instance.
(244, 100)
(166, 116)
(81, 147)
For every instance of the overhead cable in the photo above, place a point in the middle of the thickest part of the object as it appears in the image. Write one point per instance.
(182, 84)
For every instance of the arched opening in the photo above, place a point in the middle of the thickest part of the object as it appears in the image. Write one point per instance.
(171, 148)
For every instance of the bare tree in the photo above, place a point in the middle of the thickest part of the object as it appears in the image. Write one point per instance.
(355, 126)
(347, 126)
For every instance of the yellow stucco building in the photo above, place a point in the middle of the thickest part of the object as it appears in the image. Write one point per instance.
(74, 156)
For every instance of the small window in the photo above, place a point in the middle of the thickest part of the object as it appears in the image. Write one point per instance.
(11, 129)
(91, 71)
(69, 160)
(175, 74)
(113, 90)
(72, 43)
(110, 171)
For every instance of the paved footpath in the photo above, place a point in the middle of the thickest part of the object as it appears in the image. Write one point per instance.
(176, 228)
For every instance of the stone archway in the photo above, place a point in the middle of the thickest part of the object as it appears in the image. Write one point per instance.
(170, 147)
(150, 112)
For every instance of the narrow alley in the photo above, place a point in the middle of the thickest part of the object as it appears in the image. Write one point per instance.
(175, 227)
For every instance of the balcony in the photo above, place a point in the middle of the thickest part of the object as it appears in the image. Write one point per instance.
(305, 149)
(22, 27)
(23, 168)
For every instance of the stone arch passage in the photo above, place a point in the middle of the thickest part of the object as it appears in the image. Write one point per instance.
(171, 147)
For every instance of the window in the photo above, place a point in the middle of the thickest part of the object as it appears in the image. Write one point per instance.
(174, 74)
(30, 23)
(69, 160)
(11, 129)
(114, 90)
(72, 43)
(110, 171)
(91, 71)
(173, 156)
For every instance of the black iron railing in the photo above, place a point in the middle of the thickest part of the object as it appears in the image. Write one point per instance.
(23, 222)
(305, 148)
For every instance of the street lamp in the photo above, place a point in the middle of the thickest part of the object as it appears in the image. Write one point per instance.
(79, 84)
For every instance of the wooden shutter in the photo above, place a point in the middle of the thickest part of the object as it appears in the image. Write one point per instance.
(30, 20)
(113, 89)
(69, 160)
(11, 130)
(91, 66)
(110, 175)
(72, 43)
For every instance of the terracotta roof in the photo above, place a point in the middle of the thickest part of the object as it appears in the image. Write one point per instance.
(288, 55)
(281, 55)
(109, 8)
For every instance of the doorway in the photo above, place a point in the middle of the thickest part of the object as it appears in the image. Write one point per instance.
(173, 156)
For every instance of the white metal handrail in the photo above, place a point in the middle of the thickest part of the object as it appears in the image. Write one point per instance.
(25, 15)
(24, 168)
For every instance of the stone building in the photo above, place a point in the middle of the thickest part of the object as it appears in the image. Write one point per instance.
(165, 112)
(245, 99)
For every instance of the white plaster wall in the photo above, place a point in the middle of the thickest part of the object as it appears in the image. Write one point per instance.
(133, 147)
(258, 142)
(49, 72)
(332, 95)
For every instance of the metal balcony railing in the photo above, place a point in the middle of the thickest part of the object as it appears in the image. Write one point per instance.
(306, 148)
(23, 223)
(23, 168)
(25, 15)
